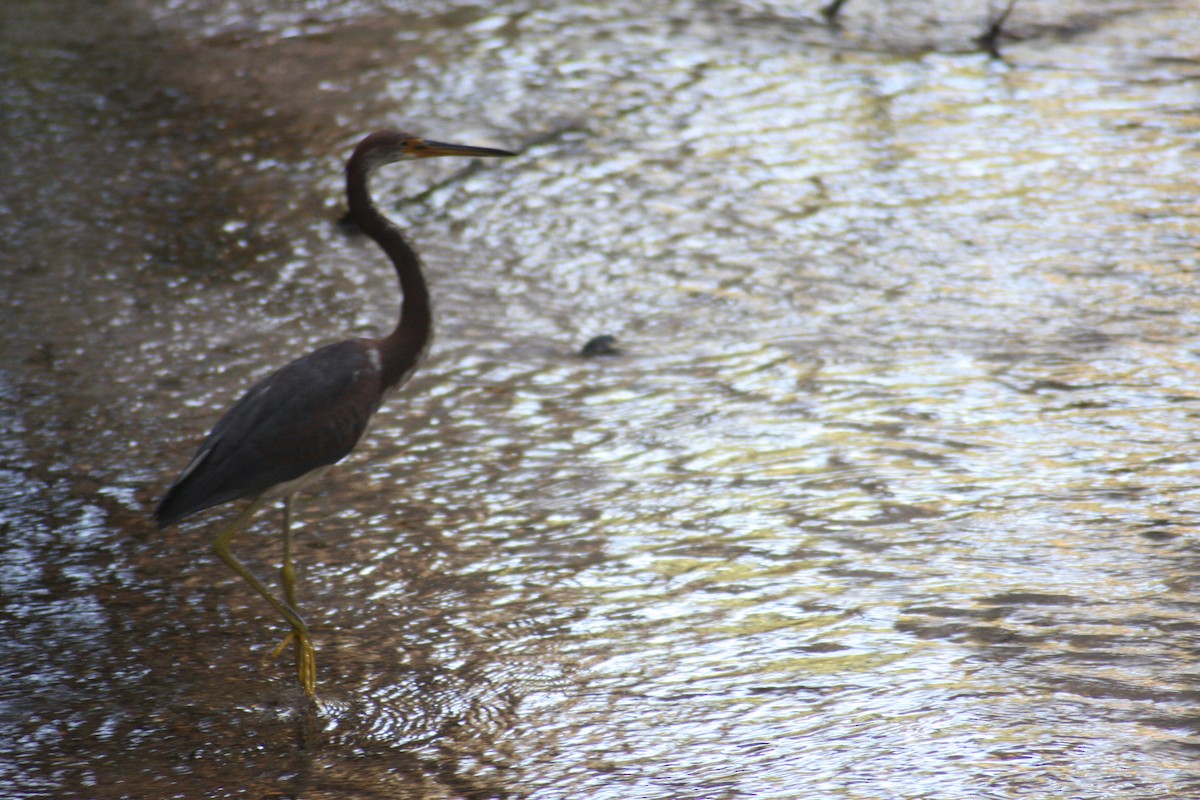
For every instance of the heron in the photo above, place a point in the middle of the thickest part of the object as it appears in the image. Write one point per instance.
(301, 419)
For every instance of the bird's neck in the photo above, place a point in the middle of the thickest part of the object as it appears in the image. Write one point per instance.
(402, 349)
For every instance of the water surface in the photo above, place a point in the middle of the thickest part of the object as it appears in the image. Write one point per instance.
(890, 492)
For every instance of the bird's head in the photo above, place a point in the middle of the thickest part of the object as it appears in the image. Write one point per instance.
(388, 147)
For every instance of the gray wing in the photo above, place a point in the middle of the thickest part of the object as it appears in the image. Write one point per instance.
(304, 416)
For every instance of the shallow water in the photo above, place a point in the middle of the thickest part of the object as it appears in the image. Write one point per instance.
(889, 492)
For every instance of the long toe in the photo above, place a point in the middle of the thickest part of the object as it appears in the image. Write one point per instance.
(306, 663)
(279, 648)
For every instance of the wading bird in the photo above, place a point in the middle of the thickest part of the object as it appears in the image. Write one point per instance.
(303, 418)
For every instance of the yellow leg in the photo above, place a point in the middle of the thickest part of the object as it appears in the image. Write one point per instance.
(287, 573)
(306, 658)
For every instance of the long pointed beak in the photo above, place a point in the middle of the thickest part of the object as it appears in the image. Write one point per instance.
(424, 148)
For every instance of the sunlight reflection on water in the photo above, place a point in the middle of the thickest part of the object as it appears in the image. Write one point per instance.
(885, 494)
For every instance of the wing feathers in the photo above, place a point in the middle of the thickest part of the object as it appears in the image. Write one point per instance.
(304, 416)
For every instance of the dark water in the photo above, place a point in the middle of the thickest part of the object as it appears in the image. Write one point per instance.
(889, 494)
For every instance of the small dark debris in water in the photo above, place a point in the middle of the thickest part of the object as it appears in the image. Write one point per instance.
(602, 345)
(989, 40)
(831, 9)
(1159, 535)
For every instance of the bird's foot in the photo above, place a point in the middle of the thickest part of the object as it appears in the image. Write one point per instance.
(306, 663)
(306, 659)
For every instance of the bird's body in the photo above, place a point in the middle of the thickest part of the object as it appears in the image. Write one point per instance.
(297, 421)
(306, 416)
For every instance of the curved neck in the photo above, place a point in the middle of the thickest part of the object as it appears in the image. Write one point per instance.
(402, 349)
